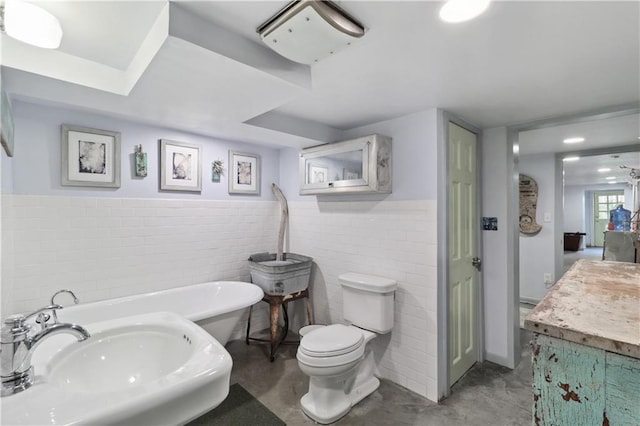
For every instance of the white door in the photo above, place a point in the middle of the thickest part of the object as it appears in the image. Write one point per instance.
(463, 275)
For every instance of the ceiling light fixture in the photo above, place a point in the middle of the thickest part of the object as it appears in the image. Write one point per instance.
(573, 140)
(307, 31)
(571, 159)
(611, 182)
(610, 177)
(454, 11)
(30, 24)
(604, 170)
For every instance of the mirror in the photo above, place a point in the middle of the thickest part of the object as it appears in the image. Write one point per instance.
(358, 165)
(335, 167)
(567, 206)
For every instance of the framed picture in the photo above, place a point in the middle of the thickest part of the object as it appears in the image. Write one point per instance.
(318, 174)
(244, 173)
(6, 125)
(350, 174)
(90, 157)
(180, 166)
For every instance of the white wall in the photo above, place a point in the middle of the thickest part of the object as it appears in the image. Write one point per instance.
(415, 167)
(575, 209)
(105, 243)
(5, 285)
(495, 265)
(393, 236)
(537, 252)
(36, 164)
(109, 247)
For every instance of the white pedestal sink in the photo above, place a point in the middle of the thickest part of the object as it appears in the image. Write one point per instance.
(152, 369)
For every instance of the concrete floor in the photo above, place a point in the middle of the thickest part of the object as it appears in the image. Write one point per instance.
(570, 257)
(487, 395)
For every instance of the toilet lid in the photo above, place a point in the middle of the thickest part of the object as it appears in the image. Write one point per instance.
(332, 340)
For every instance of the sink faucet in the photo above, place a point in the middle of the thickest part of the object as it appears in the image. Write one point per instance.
(55, 315)
(17, 345)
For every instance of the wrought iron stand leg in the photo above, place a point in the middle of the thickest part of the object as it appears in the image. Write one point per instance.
(307, 302)
(275, 314)
(248, 325)
(285, 331)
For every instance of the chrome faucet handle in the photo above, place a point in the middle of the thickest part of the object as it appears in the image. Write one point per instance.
(42, 319)
(51, 307)
(16, 321)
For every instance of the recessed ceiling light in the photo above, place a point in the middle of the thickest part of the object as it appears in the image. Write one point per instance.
(573, 140)
(604, 170)
(454, 11)
(610, 177)
(611, 182)
(571, 159)
(31, 24)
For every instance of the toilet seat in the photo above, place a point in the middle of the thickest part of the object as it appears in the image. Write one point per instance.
(331, 346)
(332, 340)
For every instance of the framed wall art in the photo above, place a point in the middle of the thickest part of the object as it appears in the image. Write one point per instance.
(6, 124)
(318, 173)
(90, 157)
(244, 173)
(350, 174)
(217, 168)
(180, 166)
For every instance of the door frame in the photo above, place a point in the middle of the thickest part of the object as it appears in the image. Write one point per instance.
(443, 120)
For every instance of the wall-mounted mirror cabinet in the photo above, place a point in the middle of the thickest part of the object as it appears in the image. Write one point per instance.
(355, 166)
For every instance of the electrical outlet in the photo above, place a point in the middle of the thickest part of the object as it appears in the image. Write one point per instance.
(547, 278)
(547, 217)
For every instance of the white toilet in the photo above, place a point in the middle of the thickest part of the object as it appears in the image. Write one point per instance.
(336, 357)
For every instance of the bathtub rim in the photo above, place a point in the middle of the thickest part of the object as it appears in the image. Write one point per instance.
(252, 292)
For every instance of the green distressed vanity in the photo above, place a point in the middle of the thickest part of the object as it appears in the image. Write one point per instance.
(586, 347)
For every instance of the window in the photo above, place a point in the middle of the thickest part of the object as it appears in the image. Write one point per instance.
(605, 202)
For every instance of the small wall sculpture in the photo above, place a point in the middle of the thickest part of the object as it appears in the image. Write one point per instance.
(528, 205)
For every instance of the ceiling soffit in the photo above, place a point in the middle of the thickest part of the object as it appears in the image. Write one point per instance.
(172, 21)
(211, 79)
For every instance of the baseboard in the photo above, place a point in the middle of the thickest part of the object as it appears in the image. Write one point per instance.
(529, 300)
(498, 359)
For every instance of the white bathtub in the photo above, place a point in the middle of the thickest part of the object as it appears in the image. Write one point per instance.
(215, 306)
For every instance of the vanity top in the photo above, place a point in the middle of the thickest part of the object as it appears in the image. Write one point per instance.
(597, 304)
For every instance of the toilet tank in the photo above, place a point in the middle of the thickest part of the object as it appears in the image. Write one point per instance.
(368, 301)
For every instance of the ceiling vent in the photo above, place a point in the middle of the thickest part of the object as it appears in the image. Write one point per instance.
(307, 31)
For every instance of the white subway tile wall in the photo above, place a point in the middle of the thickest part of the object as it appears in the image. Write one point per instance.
(393, 239)
(104, 248)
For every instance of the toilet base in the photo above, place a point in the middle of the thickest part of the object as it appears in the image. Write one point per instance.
(331, 396)
(339, 409)
(324, 417)
(364, 390)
